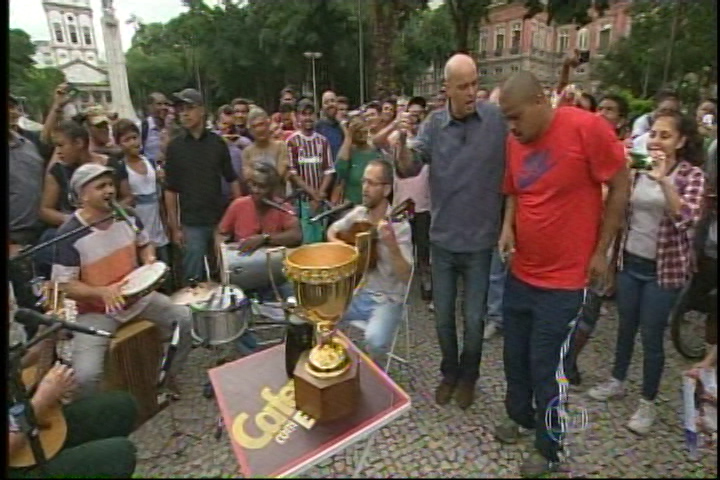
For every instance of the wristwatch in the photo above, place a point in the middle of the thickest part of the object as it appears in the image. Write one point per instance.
(266, 238)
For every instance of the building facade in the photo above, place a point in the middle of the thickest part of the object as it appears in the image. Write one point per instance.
(73, 49)
(507, 43)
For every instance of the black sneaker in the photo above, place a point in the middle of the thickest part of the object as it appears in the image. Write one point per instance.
(536, 466)
(510, 432)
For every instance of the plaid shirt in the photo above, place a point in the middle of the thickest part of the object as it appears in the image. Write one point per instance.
(675, 256)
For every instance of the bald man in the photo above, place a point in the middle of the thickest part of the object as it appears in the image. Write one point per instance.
(328, 125)
(558, 233)
(152, 126)
(464, 146)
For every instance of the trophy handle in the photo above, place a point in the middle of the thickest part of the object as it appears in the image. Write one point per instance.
(363, 243)
(268, 264)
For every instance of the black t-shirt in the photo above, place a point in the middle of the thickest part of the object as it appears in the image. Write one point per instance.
(194, 169)
(62, 174)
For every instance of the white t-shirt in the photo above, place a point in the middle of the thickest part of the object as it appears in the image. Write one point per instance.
(147, 202)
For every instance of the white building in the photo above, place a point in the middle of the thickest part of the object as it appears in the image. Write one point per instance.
(73, 49)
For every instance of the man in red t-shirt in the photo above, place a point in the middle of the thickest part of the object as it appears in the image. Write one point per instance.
(558, 233)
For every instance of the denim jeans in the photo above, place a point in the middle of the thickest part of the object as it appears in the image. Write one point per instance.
(498, 272)
(474, 269)
(642, 303)
(198, 239)
(382, 317)
(537, 322)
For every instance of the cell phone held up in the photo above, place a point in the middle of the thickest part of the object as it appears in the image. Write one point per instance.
(640, 161)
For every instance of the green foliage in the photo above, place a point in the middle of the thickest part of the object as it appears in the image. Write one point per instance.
(636, 106)
(37, 88)
(639, 62)
(20, 59)
(466, 17)
(563, 12)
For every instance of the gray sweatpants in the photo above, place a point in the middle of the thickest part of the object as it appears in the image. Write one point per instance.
(89, 350)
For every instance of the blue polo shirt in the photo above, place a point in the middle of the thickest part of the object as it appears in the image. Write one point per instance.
(331, 129)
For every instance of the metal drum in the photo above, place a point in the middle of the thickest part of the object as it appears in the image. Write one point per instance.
(249, 271)
(221, 313)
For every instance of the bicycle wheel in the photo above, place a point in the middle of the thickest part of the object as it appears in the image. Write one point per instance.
(687, 329)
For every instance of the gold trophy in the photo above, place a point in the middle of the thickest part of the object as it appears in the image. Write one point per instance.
(324, 277)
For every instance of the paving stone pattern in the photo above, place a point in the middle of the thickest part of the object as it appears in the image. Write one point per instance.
(433, 441)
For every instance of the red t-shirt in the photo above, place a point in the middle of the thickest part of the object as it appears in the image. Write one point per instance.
(241, 218)
(557, 182)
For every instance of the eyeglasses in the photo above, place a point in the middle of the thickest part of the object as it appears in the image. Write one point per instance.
(373, 183)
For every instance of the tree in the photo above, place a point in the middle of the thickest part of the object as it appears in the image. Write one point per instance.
(37, 88)
(466, 17)
(21, 52)
(639, 62)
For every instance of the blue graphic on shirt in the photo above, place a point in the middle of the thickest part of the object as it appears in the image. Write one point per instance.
(535, 165)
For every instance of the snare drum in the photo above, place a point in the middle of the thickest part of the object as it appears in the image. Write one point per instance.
(143, 280)
(221, 313)
(249, 271)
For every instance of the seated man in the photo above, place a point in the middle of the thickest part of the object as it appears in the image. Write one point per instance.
(380, 300)
(98, 427)
(254, 222)
(90, 267)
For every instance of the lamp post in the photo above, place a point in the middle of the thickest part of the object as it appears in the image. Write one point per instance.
(313, 56)
(360, 56)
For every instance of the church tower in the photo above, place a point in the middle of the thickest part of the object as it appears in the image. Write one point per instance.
(72, 36)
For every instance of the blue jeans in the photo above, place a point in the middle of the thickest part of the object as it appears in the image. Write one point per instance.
(382, 317)
(474, 269)
(498, 272)
(537, 322)
(642, 303)
(198, 239)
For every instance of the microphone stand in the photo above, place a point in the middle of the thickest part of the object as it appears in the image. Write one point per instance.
(21, 400)
(28, 251)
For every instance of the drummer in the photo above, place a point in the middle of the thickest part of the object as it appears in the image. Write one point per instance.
(90, 266)
(254, 224)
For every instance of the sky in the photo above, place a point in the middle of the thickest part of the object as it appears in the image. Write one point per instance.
(29, 15)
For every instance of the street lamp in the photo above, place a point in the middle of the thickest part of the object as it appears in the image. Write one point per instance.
(313, 56)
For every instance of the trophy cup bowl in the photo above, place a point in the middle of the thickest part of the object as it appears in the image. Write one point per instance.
(324, 277)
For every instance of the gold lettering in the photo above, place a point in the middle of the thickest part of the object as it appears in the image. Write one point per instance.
(270, 420)
(304, 419)
(279, 401)
(244, 439)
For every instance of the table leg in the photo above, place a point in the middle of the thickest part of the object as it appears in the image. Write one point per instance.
(360, 464)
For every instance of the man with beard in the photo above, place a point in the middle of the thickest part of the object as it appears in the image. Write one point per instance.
(197, 161)
(265, 149)
(241, 108)
(379, 302)
(311, 169)
(152, 126)
(464, 145)
(328, 125)
(558, 233)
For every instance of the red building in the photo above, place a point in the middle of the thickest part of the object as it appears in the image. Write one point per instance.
(508, 43)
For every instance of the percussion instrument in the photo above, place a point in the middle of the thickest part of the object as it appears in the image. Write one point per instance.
(221, 313)
(143, 280)
(249, 271)
(402, 211)
(132, 363)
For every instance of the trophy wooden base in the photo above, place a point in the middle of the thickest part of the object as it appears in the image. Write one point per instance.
(327, 399)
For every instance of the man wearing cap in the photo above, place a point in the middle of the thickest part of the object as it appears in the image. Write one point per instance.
(90, 266)
(311, 169)
(196, 162)
(98, 123)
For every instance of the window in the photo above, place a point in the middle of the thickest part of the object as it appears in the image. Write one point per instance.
(483, 41)
(70, 18)
(500, 39)
(47, 54)
(48, 61)
(542, 38)
(514, 68)
(72, 29)
(483, 71)
(604, 38)
(564, 41)
(583, 39)
(108, 96)
(515, 39)
(58, 32)
(63, 56)
(87, 36)
(90, 58)
(498, 70)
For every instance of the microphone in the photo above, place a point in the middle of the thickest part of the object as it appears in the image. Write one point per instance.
(276, 205)
(332, 211)
(121, 214)
(31, 318)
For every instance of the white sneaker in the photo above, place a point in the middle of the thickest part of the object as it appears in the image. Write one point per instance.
(643, 418)
(606, 391)
(491, 329)
(431, 307)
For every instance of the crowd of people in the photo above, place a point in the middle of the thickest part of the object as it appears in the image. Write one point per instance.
(526, 200)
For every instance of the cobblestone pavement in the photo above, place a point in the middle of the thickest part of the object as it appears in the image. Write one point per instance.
(445, 441)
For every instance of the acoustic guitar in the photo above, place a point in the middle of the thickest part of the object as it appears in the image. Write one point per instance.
(52, 425)
(403, 211)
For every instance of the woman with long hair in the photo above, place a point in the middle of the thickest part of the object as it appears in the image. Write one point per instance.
(655, 257)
